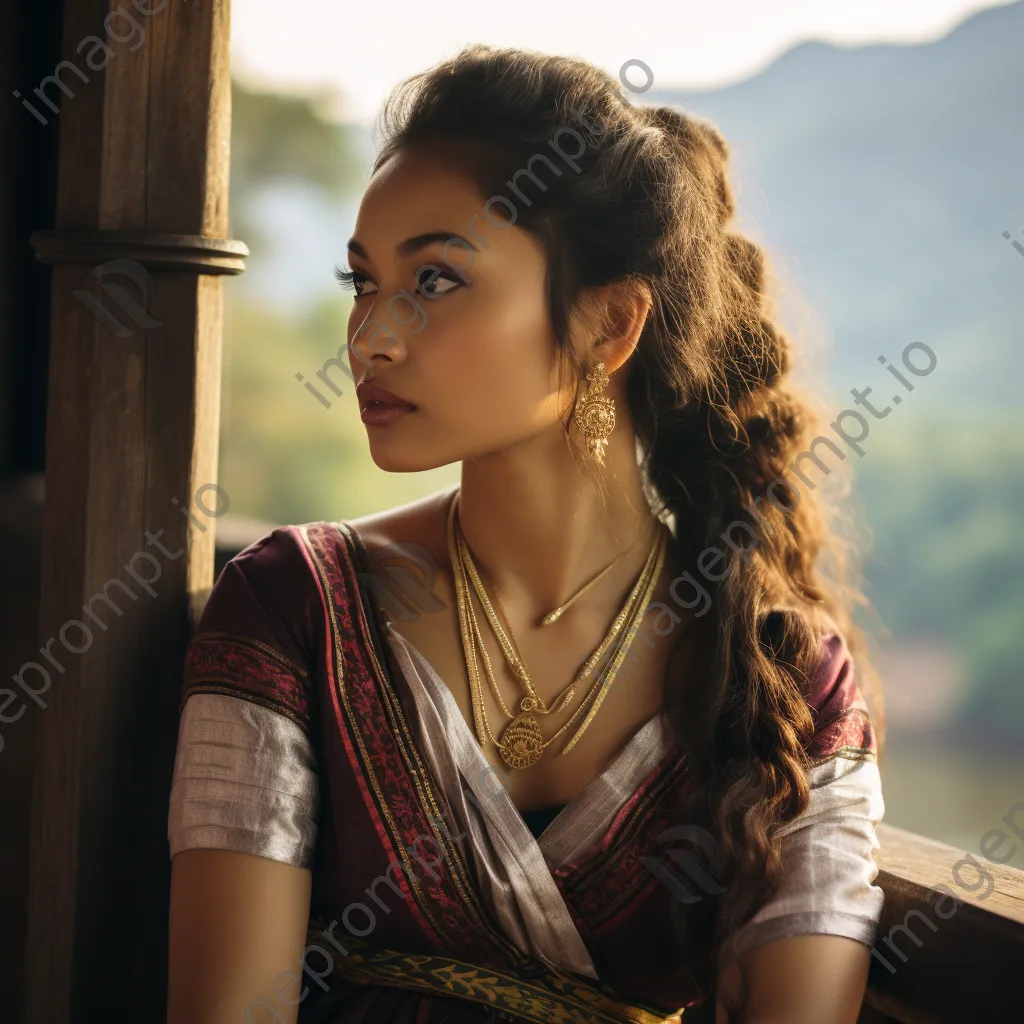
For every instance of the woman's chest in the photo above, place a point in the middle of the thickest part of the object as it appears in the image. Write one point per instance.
(596, 712)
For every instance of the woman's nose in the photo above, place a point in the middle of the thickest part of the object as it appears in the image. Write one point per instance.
(376, 339)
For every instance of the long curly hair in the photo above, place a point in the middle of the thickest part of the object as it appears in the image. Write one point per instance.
(645, 196)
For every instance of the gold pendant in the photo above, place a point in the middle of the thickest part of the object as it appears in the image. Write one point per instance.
(521, 740)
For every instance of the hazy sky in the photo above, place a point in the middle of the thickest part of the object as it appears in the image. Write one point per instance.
(362, 50)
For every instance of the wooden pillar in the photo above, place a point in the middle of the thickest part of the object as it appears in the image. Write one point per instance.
(131, 448)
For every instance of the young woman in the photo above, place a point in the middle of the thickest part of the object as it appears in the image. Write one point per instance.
(579, 739)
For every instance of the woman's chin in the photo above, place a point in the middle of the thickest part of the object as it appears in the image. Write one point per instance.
(393, 459)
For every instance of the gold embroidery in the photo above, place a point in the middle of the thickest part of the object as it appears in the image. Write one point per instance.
(533, 991)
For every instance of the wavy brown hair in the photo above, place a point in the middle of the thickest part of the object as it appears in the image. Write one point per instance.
(717, 419)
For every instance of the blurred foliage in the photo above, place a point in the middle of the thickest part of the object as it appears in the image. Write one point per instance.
(278, 139)
(943, 497)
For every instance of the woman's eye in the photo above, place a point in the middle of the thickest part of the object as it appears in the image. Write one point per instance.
(428, 281)
(355, 281)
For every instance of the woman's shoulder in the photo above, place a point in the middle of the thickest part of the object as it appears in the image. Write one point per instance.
(262, 632)
(262, 624)
(842, 718)
(273, 574)
(422, 523)
(272, 552)
(281, 573)
(289, 553)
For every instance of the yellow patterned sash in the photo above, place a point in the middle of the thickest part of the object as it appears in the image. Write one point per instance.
(534, 991)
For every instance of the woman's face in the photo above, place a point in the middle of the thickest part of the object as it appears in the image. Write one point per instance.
(457, 325)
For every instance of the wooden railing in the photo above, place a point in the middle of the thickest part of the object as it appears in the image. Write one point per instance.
(950, 945)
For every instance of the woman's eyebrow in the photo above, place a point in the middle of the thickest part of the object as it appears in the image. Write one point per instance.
(414, 244)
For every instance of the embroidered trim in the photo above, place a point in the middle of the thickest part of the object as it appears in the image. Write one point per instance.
(851, 730)
(238, 666)
(400, 793)
(260, 645)
(533, 991)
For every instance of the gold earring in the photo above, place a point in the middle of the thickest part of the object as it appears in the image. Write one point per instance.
(595, 414)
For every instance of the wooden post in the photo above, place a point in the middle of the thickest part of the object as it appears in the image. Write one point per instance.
(131, 451)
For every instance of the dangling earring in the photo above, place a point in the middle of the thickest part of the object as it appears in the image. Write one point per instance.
(595, 414)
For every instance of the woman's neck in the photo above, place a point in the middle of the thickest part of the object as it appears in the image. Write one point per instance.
(538, 527)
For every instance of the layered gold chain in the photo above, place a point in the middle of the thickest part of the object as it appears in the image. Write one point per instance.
(521, 743)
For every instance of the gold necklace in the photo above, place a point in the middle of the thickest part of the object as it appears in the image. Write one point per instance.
(521, 743)
(554, 616)
(510, 649)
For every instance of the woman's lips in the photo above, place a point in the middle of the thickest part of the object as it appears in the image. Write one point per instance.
(378, 413)
(378, 406)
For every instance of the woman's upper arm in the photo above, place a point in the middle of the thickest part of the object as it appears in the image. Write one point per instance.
(244, 810)
(805, 953)
(237, 934)
(805, 979)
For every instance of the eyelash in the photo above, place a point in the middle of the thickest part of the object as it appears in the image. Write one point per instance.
(350, 279)
(347, 278)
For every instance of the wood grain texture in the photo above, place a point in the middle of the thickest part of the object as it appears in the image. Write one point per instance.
(924, 862)
(132, 430)
(945, 953)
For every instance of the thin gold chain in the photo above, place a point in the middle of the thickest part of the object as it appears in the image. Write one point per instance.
(602, 683)
(555, 614)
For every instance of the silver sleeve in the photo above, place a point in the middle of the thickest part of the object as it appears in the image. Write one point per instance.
(828, 863)
(245, 779)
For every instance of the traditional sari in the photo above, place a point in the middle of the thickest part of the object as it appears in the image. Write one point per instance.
(313, 733)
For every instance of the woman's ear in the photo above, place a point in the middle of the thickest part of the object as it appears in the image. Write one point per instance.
(621, 310)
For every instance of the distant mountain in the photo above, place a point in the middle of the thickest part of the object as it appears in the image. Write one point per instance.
(882, 178)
